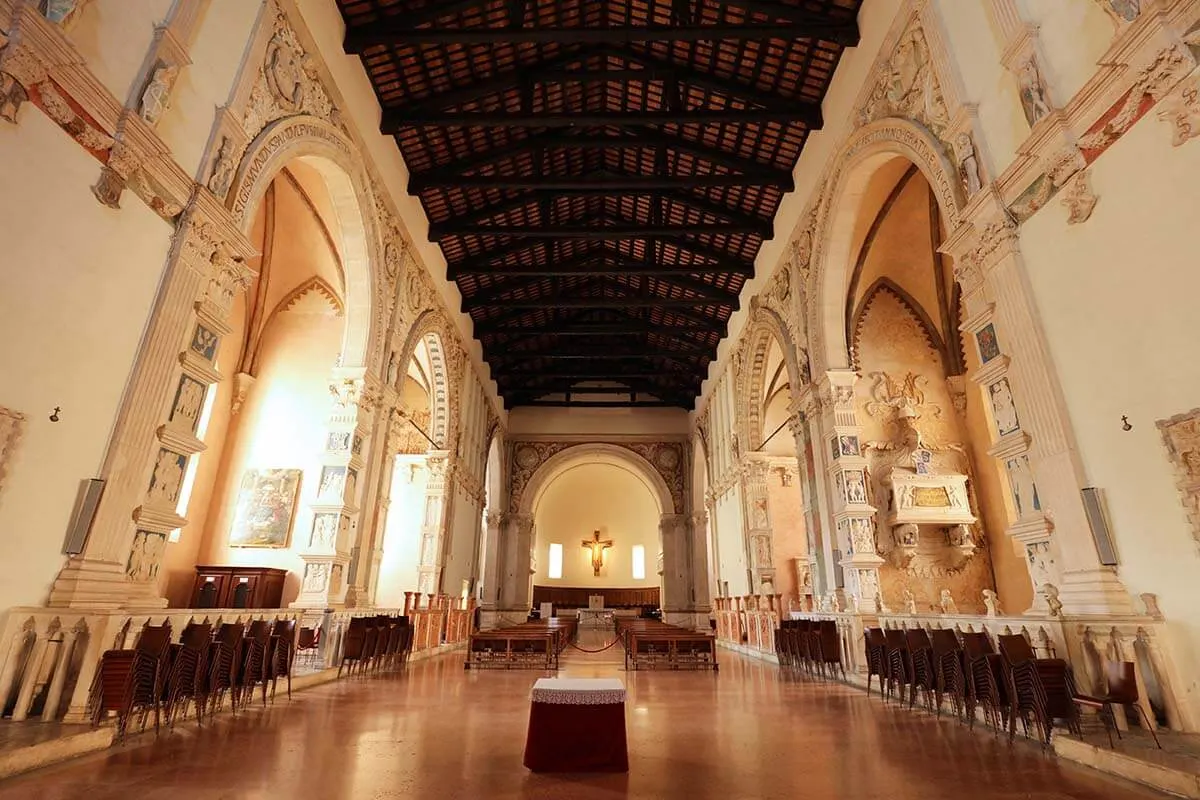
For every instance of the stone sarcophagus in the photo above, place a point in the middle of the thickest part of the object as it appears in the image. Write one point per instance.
(929, 510)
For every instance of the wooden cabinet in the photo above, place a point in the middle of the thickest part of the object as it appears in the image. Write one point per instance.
(238, 587)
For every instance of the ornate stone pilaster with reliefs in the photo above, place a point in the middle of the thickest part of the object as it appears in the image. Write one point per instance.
(330, 545)
(852, 515)
(1031, 432)
(756, 510)
(436, 520)
(155, 433)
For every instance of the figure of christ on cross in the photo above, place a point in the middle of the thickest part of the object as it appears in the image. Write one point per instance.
(597, 547)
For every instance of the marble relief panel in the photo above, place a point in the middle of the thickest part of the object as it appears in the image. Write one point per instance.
(1181, 435)
(12, 425)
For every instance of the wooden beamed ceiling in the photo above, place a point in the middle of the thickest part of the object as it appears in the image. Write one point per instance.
(600, 174)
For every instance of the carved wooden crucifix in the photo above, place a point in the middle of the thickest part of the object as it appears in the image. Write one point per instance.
(597, 547)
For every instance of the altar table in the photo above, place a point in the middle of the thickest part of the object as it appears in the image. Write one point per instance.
(577, 725)
(595, 618)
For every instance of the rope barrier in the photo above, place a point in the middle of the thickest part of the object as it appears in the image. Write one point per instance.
(601, 650)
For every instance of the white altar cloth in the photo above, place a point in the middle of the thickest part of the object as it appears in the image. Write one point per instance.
(579, 691)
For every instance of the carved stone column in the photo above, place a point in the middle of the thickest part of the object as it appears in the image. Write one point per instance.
(803, 422)
(516, 543)
(376, 482)
(435, 524)
(491, 574)
(334, 534)
(710, 505)
(700, 596)
(853, 516)
(155, 431)
(756, 504)
(676, 583)
(1030, 428)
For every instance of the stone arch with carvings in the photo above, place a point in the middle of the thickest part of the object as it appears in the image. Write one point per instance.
(841, 204)
(600, 452)
(432, 327)
(335, 157)
(766, 325)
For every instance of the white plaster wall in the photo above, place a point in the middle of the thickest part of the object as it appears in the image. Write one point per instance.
(590, 497)
(1117, 297)
(76, 288)
(129, 22)
(730, 542)
(217, 54)
(975, 48)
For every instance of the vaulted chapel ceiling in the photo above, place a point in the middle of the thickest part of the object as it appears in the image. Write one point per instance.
(600, 174)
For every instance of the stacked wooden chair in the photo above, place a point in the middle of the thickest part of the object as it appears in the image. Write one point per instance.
(188, 679)
(1041, 687)
(132, 682)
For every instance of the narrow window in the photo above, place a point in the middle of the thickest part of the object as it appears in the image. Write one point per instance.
(556, 561)
(639, 562)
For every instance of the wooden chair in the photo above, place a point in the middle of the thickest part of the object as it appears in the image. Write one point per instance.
(828, 648)
(948, 669)
(309, 643)
(876, 651)
(283, 654)
(353, 644)
(897, 673)
(257, 662)
(226, 659)
(1043, 687)
(131, 681)
(187, 681)
(984, 679)
(921, 667)
(1121, 679)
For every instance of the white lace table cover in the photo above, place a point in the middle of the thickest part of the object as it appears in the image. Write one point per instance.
(579, 691)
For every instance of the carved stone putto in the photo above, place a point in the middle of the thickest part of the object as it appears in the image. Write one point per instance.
(1079, 199)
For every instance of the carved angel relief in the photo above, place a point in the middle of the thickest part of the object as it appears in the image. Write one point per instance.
(1181, 435)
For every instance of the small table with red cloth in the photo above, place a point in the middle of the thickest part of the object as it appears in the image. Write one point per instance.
(577, 725)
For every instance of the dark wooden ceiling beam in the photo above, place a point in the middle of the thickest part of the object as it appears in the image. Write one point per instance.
(606, 181)
(452, 226)
(401, 31)
(628, 327)
(495, 295)
(607, 233)
(678, 343)
(510, 374)
(643, 138)
(394, 120)
(612, 302)
(498, 357)
(594, 263)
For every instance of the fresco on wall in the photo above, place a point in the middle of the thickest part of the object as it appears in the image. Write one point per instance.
(266, 505)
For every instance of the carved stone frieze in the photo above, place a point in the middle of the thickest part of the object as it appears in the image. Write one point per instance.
(287, 83)
(1079, 199)
(1154, 80)
(1181, 110)
(906, 85)
(1181, 435)
(12, 425)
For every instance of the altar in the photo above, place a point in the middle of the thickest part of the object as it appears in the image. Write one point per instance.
(596, 618)
(577, 725)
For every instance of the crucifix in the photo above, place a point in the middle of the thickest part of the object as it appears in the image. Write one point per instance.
(597, 547)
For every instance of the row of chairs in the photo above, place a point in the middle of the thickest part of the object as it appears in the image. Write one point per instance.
(374, 643)
(811, 644)
(200, 670)
(1009, 683)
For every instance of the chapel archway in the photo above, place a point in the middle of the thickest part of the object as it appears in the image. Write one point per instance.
(940, 504)
(266, 427)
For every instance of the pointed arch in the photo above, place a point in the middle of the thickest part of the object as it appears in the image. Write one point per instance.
(911, 305)
(336, 158)
(765, 326)
(864, 153)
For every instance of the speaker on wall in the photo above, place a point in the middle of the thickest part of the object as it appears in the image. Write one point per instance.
(1093, 505)
(90, 490)
(839, 576)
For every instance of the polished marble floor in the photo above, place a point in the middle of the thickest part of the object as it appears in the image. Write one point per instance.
(439, 732)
